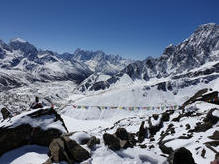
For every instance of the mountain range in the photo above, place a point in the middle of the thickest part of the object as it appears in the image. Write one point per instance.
(22, 63)
(197, 56)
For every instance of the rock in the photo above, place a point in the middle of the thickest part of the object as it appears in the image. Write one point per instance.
(152, 139)
(172, 130)
(121, 139)
(151, 146)
(92, 142)
(213, 143)
(142, 133)
(170, 126)
(33, 128)
(154, 129)
(65, 149)
(56, 150)
(208, 122)
(165, 116)
(74, 150)
(5, 113)
(188, 126)
(203, 153)
(211, 118)
(215, 135)
(162, 86)
(111, 141)
(122, 134)
(155, 116)
(183, 156)
(165, 149)
(143, 146)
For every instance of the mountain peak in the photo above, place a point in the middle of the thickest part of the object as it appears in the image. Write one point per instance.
(18, 40)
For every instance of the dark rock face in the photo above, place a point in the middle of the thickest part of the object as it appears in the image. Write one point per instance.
(29, 50)
(21, 134)
(162, 86)
(5, 113)
(215, 135)
(155, 116)
(183, 156)
(111, 141)
(122, 134)
(142, 133)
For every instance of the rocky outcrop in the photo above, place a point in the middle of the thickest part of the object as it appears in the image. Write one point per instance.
(207, 123)
(182, 156)
(215, 135)
(93, 141)
(120, 140)
(38, 127)
(142, 133)
(65, 149)
(5, 113)
(111, 141)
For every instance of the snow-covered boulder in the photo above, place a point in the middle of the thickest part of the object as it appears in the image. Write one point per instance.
(38, 127)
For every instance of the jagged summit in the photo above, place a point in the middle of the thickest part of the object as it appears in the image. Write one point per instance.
(98, 61)
(18, 40)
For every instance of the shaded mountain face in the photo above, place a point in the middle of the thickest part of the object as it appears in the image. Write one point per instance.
(21, 63)
(177, 61)
(98, 61)
(201, 47)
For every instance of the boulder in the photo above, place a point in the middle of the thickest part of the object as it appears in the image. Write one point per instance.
(182, 156)
(111, 141)
(75, 151)
(38, 127)
(142, 133)
(215, 135)
(5, 113)
(122, 134)
(57, 150)
(92, 142)
(155, 116)
(121, 139)
(187, 126)
(65, 149)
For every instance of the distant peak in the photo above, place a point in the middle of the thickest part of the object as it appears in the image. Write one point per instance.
(206, 26)
(18, 40)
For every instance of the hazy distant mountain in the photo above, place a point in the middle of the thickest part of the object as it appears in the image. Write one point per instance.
(98, 61)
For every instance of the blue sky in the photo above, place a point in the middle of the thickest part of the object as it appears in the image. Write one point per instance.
(131, 28)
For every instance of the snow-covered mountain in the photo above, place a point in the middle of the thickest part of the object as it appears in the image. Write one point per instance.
(22, 63)
(98, 61)
(194, 60)
(138, 102)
